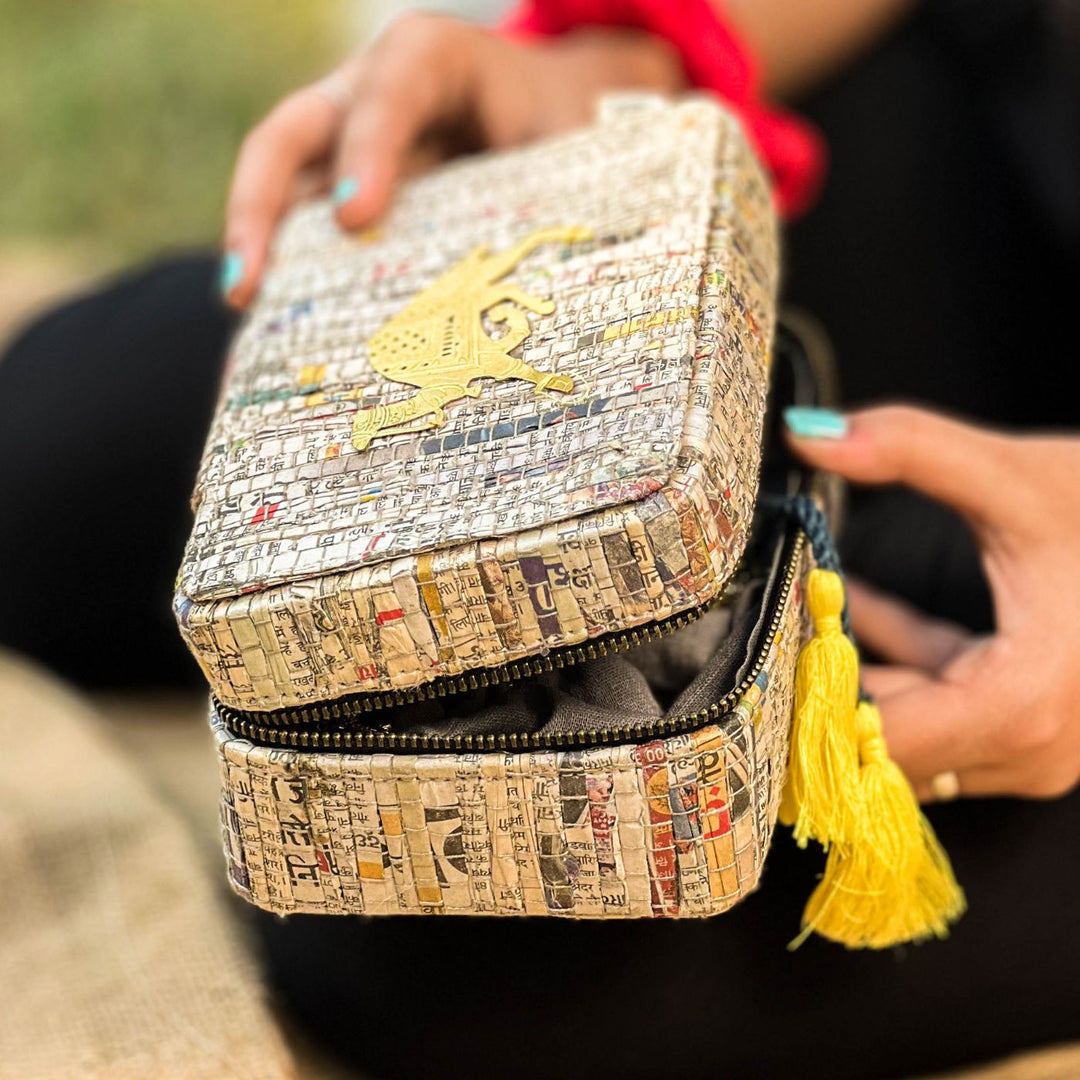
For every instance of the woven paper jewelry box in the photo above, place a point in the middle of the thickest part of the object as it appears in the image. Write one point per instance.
(464, 468)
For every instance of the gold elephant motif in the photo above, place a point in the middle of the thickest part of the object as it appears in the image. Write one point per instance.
(437, 342)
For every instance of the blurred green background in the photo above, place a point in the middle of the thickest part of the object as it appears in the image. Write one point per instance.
(119, 119)
(119, 122)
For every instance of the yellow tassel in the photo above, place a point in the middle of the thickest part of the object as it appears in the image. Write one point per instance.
(789, 812)
(890, 881)
(823, 770)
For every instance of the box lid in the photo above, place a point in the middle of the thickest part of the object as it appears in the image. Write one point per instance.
(530, 344)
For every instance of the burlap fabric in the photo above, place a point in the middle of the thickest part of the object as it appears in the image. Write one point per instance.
(117, 958)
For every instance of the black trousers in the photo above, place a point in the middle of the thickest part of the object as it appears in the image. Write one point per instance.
(939, 280)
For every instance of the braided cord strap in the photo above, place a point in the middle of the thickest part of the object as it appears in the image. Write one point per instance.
(810, 517)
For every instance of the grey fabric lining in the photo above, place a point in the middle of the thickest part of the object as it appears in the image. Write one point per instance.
(717, 677)
(674, 676)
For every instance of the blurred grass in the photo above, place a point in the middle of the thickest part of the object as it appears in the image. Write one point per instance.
(120, 119)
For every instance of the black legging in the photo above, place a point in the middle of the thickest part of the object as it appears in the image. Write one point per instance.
(105, 403)
(936, 275)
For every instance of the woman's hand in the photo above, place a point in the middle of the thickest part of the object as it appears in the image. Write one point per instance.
(429, 87)
(1001, 712)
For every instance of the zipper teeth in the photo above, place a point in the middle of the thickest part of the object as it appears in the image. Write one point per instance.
(293, 728)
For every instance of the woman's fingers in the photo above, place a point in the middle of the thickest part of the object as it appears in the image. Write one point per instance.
(927, 729)
(298, 132)
(884, 680)
(899, 633)
(413, 79)
(974, 718)
(1005, 781)
(977, 721)
(366, 119)
(371, 161)
(926, 724)
(934, 727)
(966, 467)
(977, 783)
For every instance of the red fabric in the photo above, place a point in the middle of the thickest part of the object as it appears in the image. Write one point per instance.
(714, 60)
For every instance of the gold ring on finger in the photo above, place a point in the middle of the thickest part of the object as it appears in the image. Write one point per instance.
(945, 786)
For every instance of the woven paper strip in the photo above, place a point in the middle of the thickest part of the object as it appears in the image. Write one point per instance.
(388, 495)
(673, 828)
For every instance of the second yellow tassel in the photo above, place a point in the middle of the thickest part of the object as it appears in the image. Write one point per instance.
(891, 881)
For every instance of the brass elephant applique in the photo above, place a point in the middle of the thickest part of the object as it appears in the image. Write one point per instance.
(437, 342)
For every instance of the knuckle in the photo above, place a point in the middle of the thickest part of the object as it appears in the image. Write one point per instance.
(291, 111)
(893, 433)
(1054, 782)
(1037, 733)
(255, 138)
(237, 205)
(900, 417)
(275, 126)
(915, 430)
(913, 425)
(665, 65)
(245, 210)
(263, 137)
(283, 121)
(416, 60)
(421, 30)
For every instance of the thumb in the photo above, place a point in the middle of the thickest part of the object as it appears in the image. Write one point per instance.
(965, 467)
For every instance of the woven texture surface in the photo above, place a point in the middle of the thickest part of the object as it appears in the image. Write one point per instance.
(431, 456)
(676, 827)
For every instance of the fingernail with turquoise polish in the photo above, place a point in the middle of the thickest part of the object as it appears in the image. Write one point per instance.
(232, 270)
(810, 423)
(346, 188)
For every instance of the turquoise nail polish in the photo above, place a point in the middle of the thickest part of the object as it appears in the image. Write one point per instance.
(810, 423)
(346, 188)
(232, 270)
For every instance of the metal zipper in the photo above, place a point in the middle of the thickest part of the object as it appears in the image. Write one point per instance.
(300, 728)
